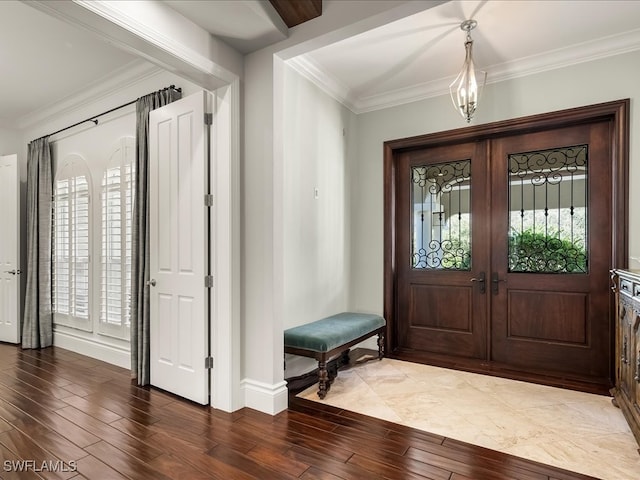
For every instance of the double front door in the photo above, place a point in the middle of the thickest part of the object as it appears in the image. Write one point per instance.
(502, 251)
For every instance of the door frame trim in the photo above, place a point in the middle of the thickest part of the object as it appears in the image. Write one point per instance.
(616, 112)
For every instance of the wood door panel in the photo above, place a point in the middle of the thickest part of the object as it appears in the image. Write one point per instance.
(440, 320)
(558, 317)
(439, 307)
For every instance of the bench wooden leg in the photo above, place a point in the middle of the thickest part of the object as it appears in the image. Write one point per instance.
(333, 367)
(323, 379)
(380, 345)
(344, 358)
(332, 371)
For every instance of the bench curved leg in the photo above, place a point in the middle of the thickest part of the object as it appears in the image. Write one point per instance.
(323, 379)
(380, 345)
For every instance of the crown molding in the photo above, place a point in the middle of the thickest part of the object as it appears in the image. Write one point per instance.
(580, 53)
(114, 22)
(129, 75)
(327, 83)
(563, 57)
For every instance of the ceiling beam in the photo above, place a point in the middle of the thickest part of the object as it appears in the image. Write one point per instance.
(295, 12)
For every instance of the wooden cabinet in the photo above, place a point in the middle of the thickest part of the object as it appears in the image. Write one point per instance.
(627, 389)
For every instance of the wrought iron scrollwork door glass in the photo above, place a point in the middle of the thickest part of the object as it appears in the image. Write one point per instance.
(441, 202)
(548, 211)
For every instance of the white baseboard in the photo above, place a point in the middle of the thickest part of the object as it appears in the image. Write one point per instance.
(264, 397)
(100, 351)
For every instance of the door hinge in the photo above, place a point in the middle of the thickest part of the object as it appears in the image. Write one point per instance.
(208, 362)
(208, 200)
(208, 118)
(208, 281)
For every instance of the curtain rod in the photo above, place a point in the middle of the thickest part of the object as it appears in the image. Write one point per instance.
(94, 118)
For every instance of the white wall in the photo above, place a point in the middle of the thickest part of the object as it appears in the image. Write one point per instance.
(316, 219)
(9, 141)
(101, 98)
(599, 81)
(316, 202)
(263, 219)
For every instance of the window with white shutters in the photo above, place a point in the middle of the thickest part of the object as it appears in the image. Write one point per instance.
(115, 252)
(71, 251)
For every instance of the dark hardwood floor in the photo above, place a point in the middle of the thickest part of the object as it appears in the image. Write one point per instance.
(63, 415)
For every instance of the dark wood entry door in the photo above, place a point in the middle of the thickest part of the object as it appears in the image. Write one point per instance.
(550, 307)
(443, 250)
(503, 251)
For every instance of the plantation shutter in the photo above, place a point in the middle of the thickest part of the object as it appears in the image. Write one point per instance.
(71, 246)
(117, 217)
(61, 245)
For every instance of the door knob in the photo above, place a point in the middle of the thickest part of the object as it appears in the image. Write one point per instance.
(152, 282)
(481, 280)
(13, 272)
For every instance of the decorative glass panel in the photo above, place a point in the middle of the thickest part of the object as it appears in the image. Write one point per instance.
(441, 202)
(548, 211)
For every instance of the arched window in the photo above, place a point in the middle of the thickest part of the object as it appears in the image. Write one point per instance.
(71, 268)
(118, 183)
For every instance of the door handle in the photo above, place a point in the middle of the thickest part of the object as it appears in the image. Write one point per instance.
(13, 272)
(481, 280)
(495, 281)
(152, 282)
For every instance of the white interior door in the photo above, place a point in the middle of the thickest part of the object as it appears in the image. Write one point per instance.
(9, 249)
(178, 149)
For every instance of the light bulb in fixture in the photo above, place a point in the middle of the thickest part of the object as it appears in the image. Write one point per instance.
(465, 90)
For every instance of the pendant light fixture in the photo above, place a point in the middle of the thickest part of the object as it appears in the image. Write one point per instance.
(466, 88)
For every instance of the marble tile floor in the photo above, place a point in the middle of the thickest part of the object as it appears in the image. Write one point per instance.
(577, 431)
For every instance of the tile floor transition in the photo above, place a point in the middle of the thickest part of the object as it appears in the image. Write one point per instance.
(577, 431)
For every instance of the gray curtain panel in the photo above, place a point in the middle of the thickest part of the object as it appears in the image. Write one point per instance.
(37, 326)
(140, 236)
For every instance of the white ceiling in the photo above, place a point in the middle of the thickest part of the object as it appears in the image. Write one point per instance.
(45, 61)
(419, 56)
(246, 26)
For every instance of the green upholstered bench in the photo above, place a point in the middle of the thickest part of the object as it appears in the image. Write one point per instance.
(330, 336)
